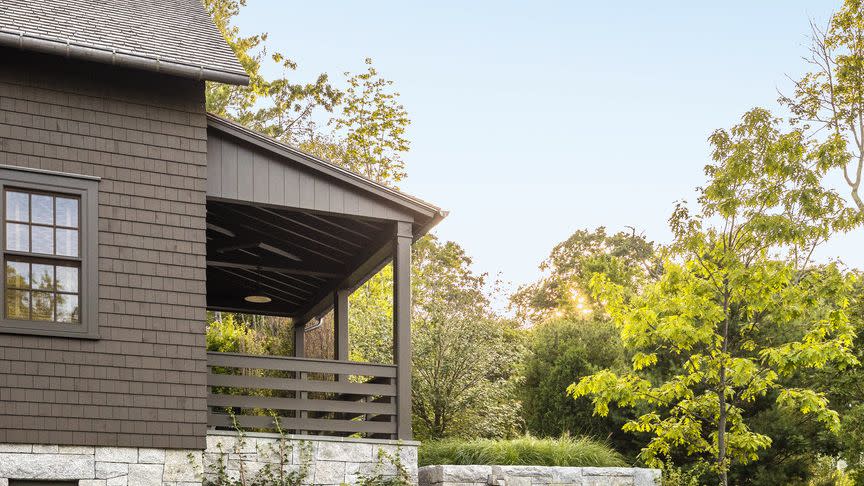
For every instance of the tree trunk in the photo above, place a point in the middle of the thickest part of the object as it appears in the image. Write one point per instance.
(721, 396)
(721, 430)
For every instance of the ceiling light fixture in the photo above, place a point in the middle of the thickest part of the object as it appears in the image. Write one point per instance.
(258, 297)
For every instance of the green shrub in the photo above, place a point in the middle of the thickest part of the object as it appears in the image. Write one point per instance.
(527, 451)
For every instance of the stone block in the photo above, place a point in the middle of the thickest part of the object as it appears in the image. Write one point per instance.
(344, 451)
(182, 465)
(465, 474)
(45, 449)
(647, 477)
(303, 452)
(46, 466)
(76, 449)
(118, 481)
(151, 456)
(128, 455)
(567, 475)
(144, 475)
(107, 470)
(92, 482)
(329, 472)
(20, 448)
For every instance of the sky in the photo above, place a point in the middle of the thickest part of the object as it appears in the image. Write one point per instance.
(531, 120)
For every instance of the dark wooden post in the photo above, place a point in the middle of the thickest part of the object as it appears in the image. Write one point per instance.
(402, 327)
(299, 339)
(300, 352)
(340, 325)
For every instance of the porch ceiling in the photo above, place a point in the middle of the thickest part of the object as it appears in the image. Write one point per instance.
(297, 258)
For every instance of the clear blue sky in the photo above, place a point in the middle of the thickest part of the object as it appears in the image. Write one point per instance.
(534, 119)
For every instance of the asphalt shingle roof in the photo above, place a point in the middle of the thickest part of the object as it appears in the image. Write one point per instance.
(174, 36)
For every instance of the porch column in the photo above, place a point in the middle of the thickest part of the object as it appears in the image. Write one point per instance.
(402, 327)
(340, 327)
(299, 339)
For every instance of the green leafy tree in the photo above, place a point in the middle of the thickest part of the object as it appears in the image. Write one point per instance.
(276, 107)
(558, 351)
(369, 136)
(465, 357)
(626, 258)
(736, 319)
(830, 98)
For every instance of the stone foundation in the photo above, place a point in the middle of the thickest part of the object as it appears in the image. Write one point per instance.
(100, 466)
(532, 475)
(320, 460)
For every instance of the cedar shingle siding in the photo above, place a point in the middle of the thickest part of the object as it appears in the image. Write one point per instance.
(143, 382)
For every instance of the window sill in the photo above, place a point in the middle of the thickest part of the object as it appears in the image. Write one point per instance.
(79, 331)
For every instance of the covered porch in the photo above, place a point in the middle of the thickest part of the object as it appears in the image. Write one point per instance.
(292, 236)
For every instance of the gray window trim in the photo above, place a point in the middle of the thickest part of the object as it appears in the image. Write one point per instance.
(87, 188)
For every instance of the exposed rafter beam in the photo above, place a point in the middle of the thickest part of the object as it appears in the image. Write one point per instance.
(369, 266)
(266, 268)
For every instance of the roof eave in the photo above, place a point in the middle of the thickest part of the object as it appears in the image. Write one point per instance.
(76, 50)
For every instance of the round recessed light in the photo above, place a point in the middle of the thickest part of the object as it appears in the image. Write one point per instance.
(257, 299)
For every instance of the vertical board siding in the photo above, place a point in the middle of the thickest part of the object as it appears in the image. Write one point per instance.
(252, 174)
(143, 383)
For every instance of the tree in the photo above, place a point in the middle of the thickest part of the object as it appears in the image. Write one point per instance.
(739, 308)
(276, 107)
(558, 351)
(370, 130)
(830, 99)
(464, 356)
(626, 258)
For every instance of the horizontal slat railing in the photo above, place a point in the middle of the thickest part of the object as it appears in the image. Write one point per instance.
(305, 395)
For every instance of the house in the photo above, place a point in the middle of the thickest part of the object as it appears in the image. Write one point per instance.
(129, 211)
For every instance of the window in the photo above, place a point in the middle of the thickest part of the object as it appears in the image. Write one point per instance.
(49, 253)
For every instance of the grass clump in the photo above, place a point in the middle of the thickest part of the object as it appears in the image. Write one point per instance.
(525, 451)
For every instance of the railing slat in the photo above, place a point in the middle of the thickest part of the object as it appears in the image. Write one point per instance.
(290, 384)
(306, 424)
(337, 405)
(278, 403)
(281, 363)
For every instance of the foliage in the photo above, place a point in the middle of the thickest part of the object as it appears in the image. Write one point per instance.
(275, 107)
(527, 451)
(372, 126)
(737, 321)
(626, 258)
(690, 475)
(251, 334)
(378, 477)
(826, 473)
(845, 390)
(279, 472)
(559, 350)
(370, 318)
(830, 99)
(464, 356)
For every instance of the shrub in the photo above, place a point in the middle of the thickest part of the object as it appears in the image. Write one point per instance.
(526, 451)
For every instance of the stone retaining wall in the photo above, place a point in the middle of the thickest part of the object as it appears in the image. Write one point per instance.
(322, 460)
(326, 461)
(531, 475)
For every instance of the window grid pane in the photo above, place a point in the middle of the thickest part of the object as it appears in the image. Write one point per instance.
(41, 289)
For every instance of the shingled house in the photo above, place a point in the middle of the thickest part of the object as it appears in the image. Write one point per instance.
(129, 211)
